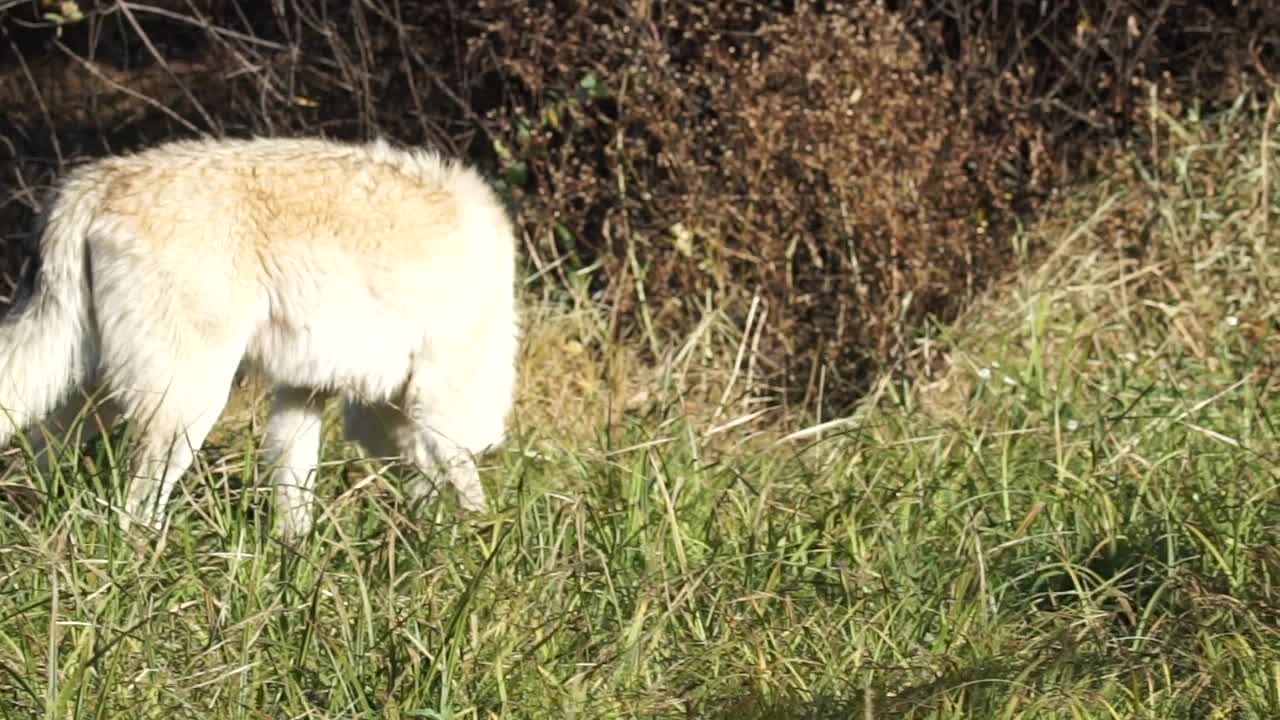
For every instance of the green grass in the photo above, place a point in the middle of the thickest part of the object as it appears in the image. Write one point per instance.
(1076, 517)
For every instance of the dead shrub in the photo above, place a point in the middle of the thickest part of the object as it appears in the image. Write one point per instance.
(807, 158)
(850, 167)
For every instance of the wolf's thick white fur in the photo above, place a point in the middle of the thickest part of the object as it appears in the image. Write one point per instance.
(380, 274)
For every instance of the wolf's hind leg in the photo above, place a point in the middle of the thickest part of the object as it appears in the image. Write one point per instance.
(174, 423)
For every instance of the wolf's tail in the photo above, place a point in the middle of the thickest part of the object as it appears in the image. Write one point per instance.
(47, 343)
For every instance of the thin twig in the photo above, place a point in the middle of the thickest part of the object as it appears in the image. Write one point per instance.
(164, 65)
(44, 108)
(152, 102)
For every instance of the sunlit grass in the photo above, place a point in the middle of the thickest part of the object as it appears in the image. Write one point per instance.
(1078, 518)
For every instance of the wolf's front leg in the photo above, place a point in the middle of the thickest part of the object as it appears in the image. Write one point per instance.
(166, 453)
(293, 449)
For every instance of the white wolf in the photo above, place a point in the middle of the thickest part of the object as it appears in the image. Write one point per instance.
(381, 274)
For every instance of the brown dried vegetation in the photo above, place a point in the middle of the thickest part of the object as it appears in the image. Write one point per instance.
(846, 170)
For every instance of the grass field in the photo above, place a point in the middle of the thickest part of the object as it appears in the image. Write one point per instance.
(1076, 516)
